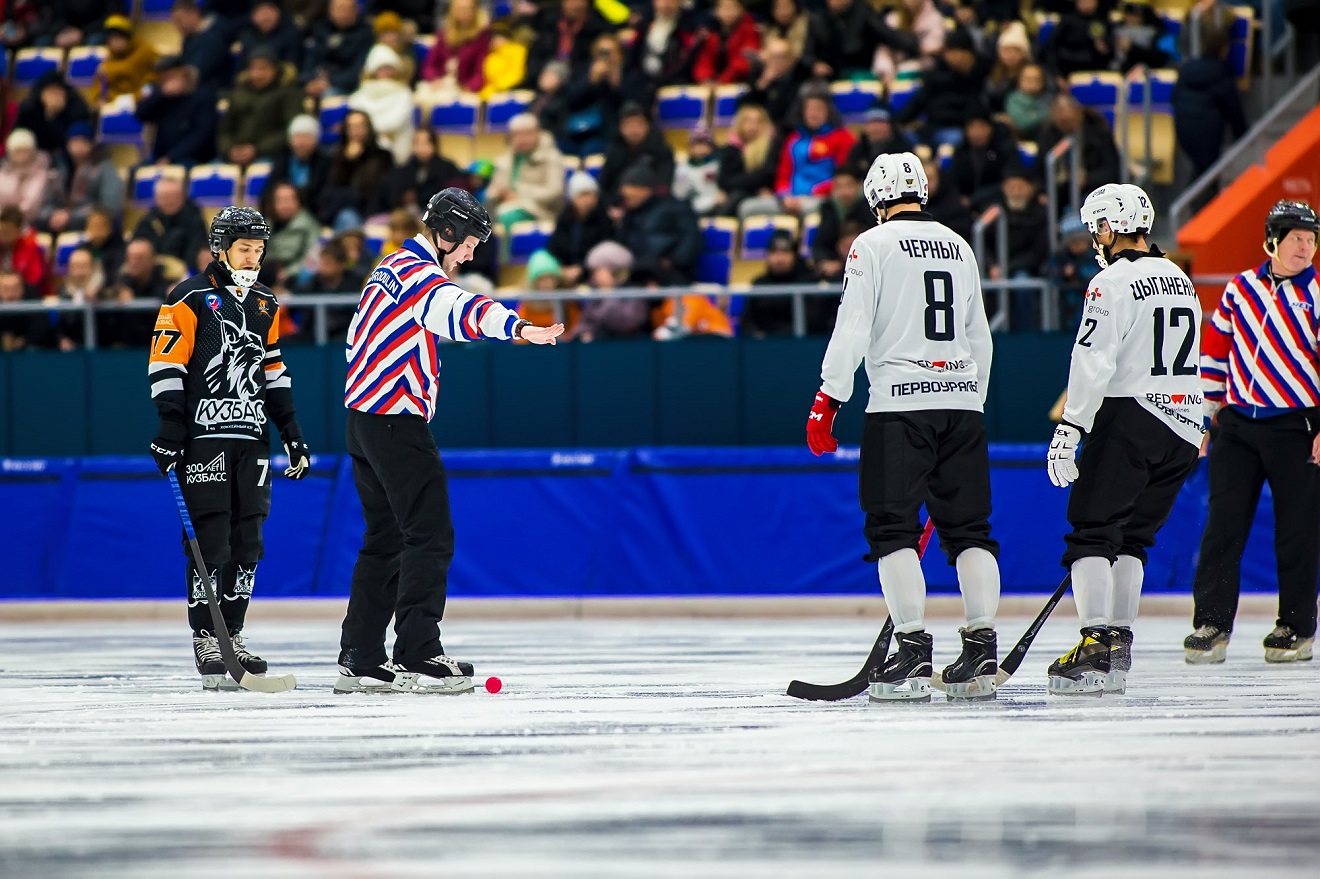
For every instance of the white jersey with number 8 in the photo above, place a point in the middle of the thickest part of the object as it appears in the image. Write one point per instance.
(912, 309)
(1140, 337)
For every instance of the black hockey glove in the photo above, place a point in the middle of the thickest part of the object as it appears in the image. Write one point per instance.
(300, 457)
(167, 447)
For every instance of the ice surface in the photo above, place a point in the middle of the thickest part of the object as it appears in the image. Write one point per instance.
(647, 749)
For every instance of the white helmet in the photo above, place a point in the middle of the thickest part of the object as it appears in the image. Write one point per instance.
(894, 176)
(1125, 206)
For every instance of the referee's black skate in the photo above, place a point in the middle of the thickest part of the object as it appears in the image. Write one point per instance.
(1120, 659)
(1082, 670)
(210, 663)
(1207, 645)
(972, 676)
(905, 676)
(251, 662)
(1285, 645)
(362, 678)
(439, 674)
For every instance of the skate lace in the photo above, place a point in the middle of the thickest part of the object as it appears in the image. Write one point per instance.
(1207, 632)
(208, 647)
(240, 648)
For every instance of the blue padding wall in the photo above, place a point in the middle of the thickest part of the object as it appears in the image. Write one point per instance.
(650, 521)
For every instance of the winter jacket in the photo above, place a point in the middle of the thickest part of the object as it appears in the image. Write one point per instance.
(673, 65)
(412, 184)
(830, 230)
(1099, 152)
(181, 235)
(701, 317)
(471, 56)
(291, 242)
(696, 183)
(737, 181)
(779, 97)
(185, 126)
(52, 133)
(1072, 45)
(357, 184)
(309, 176)
(1028, 241)
(977, 174)
(848, 42)
(93, 184)
(504, 68)
(773, 315)
(29, 188)
(947, 208)
(208, 51)
(613, 318)
(946, 97)
(795, 32)
(286, 42)
(809, 159)
(86, 15)
(1205, 101)
(261, 117)
(864, 153)
(545, 48)
(620, 156)
(126, 75)
(389, 103)
(28, 261)
(724, 57)
(537, 179)
(574, 236)
(662, 229)
(1027, 112)
(340, 53)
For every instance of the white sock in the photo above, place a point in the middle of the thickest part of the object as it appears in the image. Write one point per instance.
(1128, 574)
(904, 587)
(978, 580)
(1092, 586)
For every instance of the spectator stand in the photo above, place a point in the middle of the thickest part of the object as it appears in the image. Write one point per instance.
(1144, 128)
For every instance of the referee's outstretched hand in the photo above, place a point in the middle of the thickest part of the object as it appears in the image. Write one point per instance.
(542, 335)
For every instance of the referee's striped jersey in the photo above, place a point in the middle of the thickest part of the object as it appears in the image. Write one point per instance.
(1259, 353)
(392, 352)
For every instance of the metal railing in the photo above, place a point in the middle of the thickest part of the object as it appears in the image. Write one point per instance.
(321, 304)
(1066, 147)
(1147, 130)
(1250, 149)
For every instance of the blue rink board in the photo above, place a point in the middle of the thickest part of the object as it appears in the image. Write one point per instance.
(640, 522)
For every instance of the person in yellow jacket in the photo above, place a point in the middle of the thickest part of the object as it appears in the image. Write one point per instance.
(506, 61)
(131, 62)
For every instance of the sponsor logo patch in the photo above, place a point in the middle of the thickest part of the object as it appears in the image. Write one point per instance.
(213, 412)
(908, 389)
(212, 471)
(213, 301)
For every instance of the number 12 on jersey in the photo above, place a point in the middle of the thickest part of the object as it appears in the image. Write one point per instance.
(1176, 317)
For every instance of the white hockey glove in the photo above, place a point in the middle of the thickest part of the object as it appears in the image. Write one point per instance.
(1062, 461)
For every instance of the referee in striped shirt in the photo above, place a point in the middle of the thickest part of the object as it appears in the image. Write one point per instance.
(407, 305)
(1260, 369)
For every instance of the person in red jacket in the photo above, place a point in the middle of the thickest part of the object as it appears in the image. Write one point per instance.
(20, 253)
(725, 56)
(812, 152)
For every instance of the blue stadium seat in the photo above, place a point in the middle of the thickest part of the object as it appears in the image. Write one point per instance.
(901, 93)
(572, 164)
(1101, 90)
(810, 226)
(457, 115)
(593, 163)
(725, 104)
(333, 111)
(502, 107)
(65, 245)
(156, 10)
(682, 107)
(853, 99)
(945, 155)
(215, 185)
(254, 182)
(422, 47)
(1239, 47)
(714, 268)
(527, 237)
(32, 64)
(376, 234)
(144, 182)
(718, 234)
(1027, 152)
(1047, 25)
(756, 232)
(84, 63)
(119, 124)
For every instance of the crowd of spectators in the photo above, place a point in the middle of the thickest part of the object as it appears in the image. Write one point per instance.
(251, 75)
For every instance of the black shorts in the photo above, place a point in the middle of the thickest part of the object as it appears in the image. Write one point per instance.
(1130, 470)
(937, 457)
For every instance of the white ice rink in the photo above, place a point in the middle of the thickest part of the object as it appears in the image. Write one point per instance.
(647, 749)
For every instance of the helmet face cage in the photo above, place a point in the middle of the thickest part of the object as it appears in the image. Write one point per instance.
(454, 214)
(233, 224)
(1283, 218)
(895, 176)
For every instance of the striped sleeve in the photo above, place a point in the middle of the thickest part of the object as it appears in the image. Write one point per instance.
(1216, 342)
(171, 349)
(449, 311)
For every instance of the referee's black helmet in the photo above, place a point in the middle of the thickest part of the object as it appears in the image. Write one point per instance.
(454, 214)
(1286, 216)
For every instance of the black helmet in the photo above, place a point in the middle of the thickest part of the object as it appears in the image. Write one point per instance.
(454, 214)
(233, 223)
(1286, 216)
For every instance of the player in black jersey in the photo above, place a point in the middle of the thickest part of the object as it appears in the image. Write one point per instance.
(218, 382)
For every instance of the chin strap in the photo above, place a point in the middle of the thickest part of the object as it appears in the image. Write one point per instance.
(1100, 255)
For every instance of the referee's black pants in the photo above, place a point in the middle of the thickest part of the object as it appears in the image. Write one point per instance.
(1246, 453)
(403, 566)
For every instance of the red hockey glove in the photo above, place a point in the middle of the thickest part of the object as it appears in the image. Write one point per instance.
(820, 425)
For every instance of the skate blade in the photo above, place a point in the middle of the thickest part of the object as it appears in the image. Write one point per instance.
(215, 683)
(982, 688)
(1301, 653)
(412, 682)
(1116, 683)
(1091, 683)
(346, 684)
(911, 690)
(1213, 656)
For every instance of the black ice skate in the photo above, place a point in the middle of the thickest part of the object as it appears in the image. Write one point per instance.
(439, 674)
(1120, 659)
(1285, 645)
(905, 676)
(1082, 670)
(1208, 644)
(251, 662)
(362, 678)
(974, 673)
(210, 664)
